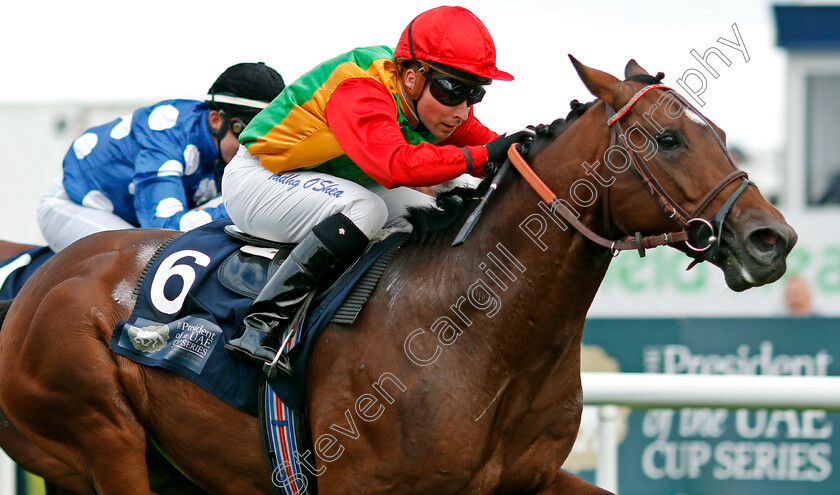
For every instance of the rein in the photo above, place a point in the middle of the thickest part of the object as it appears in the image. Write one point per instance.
(638, 242)
(700, 235)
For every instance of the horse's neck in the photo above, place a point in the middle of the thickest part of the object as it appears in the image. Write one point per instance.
(549, 300)
(522, 292)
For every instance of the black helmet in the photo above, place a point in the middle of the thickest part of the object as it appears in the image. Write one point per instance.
(244, 89)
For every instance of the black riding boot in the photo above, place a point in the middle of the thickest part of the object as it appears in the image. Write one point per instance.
(333, 244)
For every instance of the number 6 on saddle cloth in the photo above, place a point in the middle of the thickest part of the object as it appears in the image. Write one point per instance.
(196, 291)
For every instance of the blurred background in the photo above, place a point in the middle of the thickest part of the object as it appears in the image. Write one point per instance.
(767, 73)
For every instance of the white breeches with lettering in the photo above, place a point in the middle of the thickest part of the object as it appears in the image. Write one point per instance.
(284, 207)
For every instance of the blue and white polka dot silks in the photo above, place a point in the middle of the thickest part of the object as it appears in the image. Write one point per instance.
(149, 168)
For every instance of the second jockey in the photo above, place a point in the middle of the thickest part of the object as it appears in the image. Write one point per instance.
(158, 166)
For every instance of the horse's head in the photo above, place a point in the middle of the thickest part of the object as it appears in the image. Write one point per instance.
(668, 171)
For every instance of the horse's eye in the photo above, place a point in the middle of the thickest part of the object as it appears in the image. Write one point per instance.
(667, 140)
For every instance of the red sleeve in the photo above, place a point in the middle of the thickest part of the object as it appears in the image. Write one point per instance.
(362, 117)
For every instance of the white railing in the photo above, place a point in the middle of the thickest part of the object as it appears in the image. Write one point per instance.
(653, 390)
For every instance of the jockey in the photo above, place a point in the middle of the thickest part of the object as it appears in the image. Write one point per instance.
(157, 167)
(338, 155)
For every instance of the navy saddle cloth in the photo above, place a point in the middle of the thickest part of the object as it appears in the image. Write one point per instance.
(184, 314)
(16, 270)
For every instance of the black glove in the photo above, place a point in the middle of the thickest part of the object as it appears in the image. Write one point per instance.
(497, 148)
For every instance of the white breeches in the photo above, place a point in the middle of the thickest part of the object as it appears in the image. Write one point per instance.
(284, 207)
(63, 221)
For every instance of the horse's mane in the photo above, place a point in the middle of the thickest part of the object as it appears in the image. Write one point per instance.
(647, 78)
(442, 221)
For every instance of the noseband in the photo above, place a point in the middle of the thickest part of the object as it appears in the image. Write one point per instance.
(702, 236)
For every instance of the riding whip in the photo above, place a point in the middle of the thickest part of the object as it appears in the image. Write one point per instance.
(473, 218)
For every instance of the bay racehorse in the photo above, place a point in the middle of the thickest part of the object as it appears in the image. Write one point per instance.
(24, 452)
(461, 373)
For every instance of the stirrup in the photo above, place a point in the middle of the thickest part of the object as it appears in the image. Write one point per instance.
(281, 361)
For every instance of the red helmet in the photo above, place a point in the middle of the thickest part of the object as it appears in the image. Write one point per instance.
(454, 37)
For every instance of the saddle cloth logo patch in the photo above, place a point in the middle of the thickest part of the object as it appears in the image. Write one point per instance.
(185, 343)
(148, 339)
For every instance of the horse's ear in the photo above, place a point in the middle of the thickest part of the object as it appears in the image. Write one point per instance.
(605, 86)
(634, 69)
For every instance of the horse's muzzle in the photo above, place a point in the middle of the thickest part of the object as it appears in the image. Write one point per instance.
(759, 256)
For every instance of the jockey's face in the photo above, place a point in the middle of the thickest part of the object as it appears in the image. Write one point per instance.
(441, 120)
(229, 146)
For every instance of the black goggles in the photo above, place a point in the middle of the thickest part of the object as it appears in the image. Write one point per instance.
(452, 92)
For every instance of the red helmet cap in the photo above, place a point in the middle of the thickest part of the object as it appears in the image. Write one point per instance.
(452, 36)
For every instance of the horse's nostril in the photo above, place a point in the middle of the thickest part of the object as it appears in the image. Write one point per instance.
(765, 239)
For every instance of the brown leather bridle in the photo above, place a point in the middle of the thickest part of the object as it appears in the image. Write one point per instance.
(701, 236)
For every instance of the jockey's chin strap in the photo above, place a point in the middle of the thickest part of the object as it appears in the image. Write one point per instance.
(218, 135)
(701, 236)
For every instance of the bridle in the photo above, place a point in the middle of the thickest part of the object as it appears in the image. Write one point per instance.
(701, 236)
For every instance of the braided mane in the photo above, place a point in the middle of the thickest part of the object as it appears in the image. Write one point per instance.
(647, 78)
